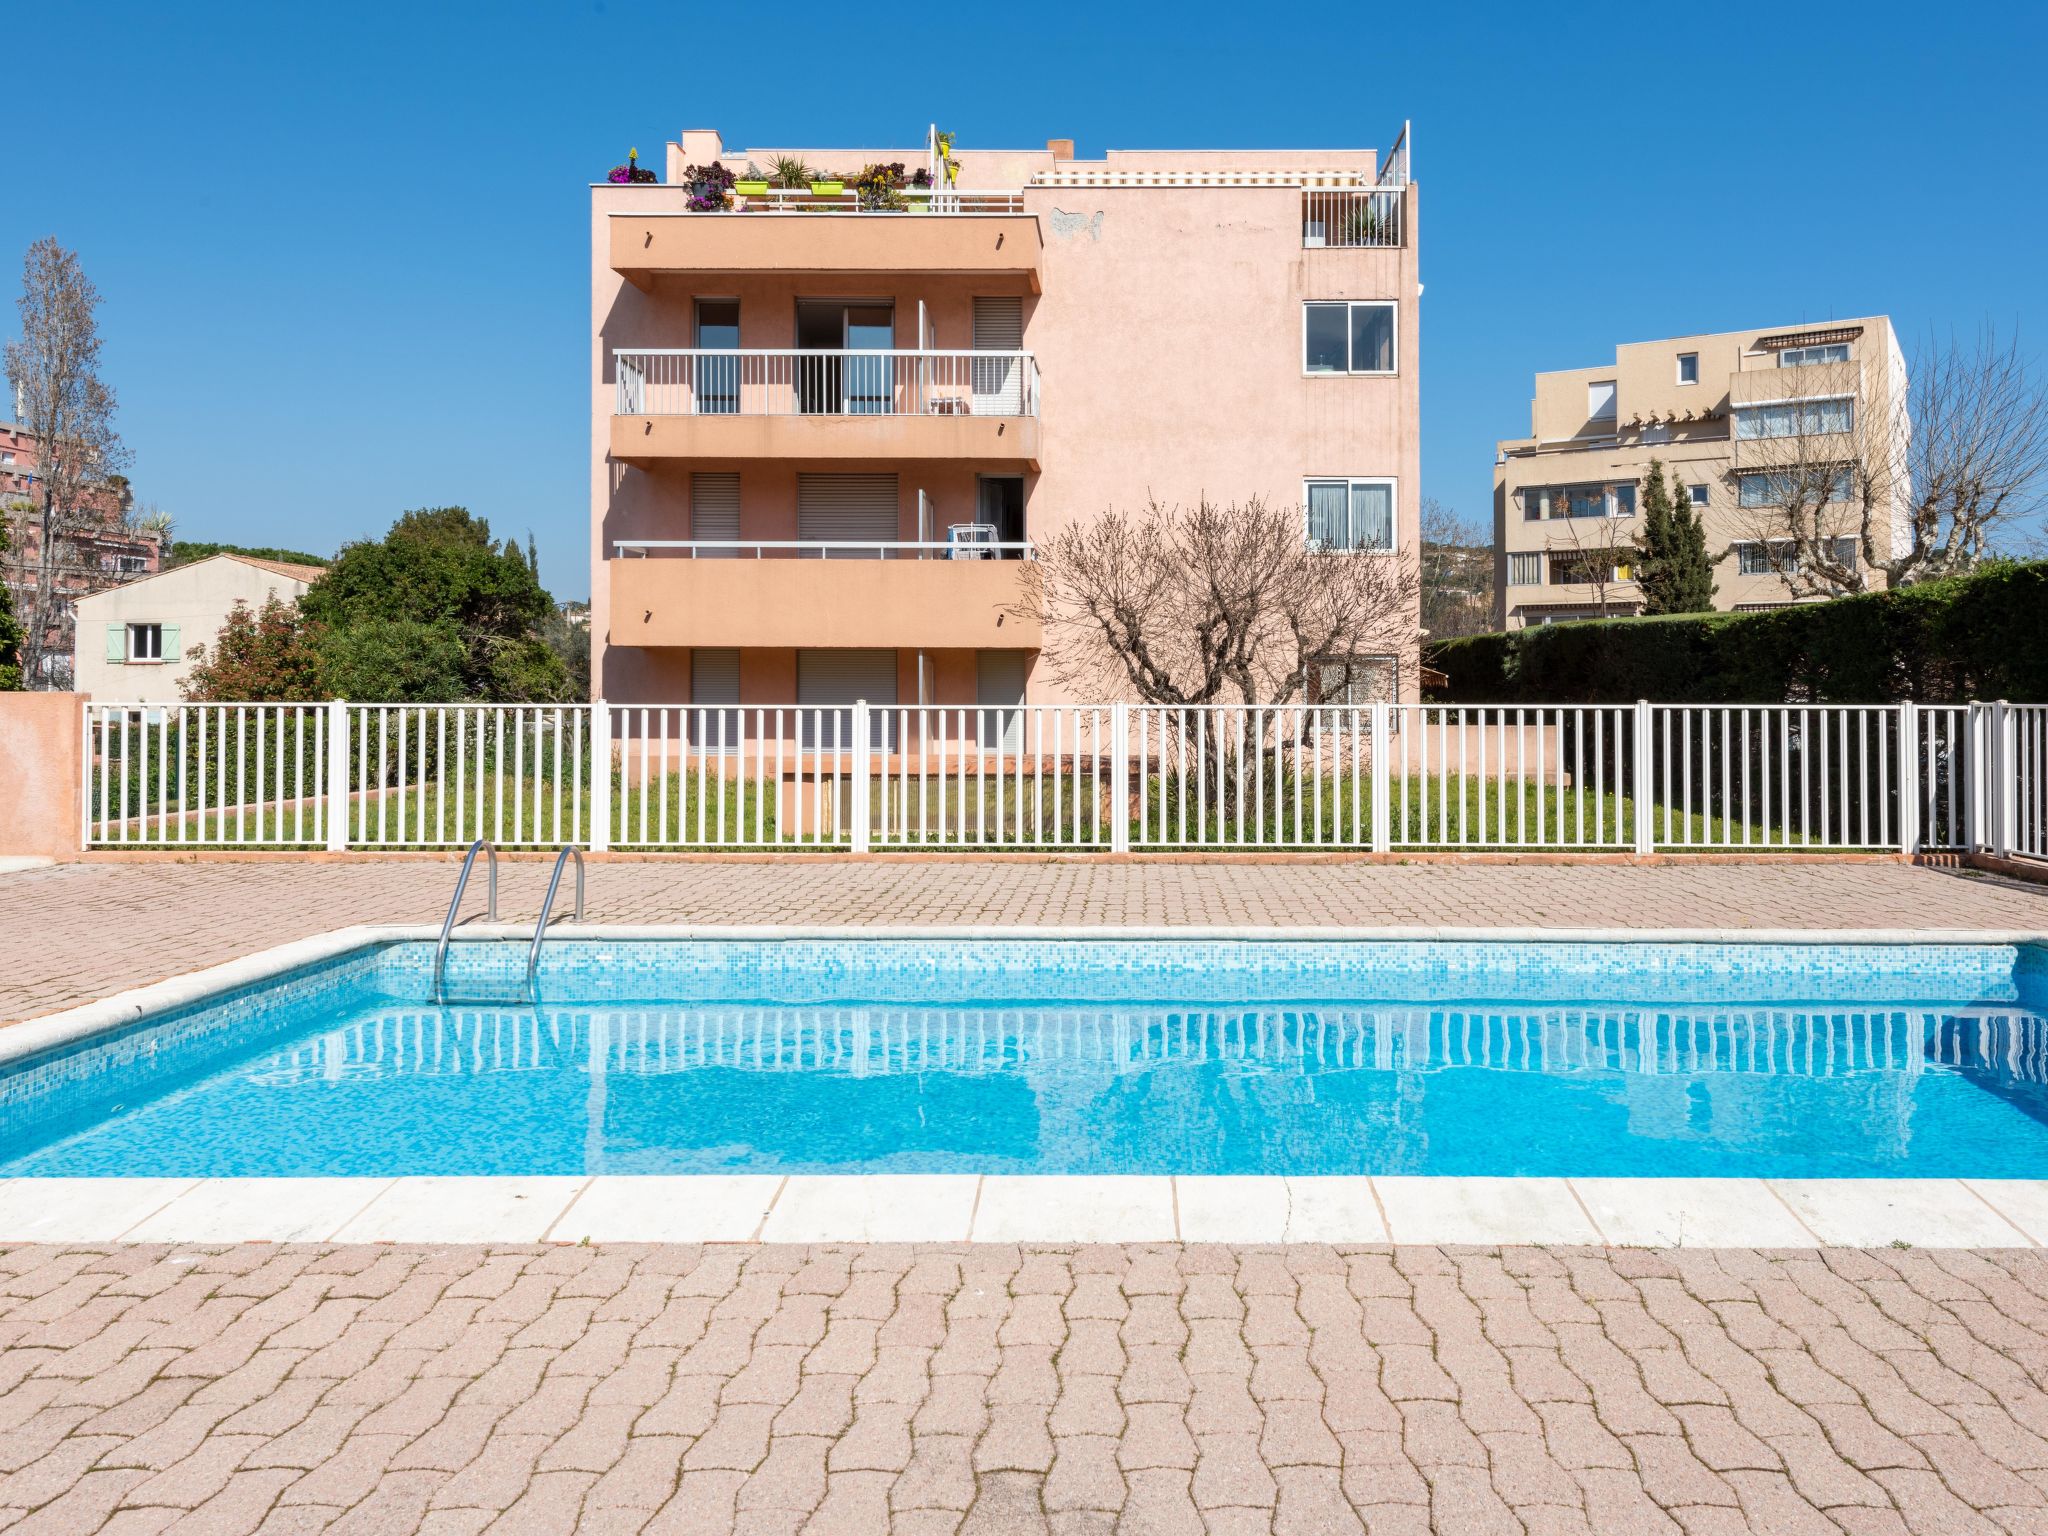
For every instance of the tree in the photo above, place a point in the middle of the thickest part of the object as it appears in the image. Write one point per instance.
(1879, 484)
(1671, 563)
(437, 580)
(1596, 561)
(270, 656)
(1457, 574)
(68, 410)
(190, 551)
(10, 632)
(1214, 604)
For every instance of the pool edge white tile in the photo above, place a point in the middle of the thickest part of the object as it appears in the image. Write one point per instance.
(1272, 1208)
(1056, 1208)
(1876, 1213)
(488, 1208)
(1484, 1211)
(635, 1208)
(873, 1208)
(1709, 1213)
(259, 1210)
(82, 1210)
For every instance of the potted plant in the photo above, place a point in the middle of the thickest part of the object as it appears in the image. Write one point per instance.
(753, 183)
(630, 173)
(710, 187)
(825, 184)
(880, 186)
(788, 171)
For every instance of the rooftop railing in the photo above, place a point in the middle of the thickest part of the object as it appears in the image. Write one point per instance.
(828, 549)
(1346, 218)
(695, 381)
(914, 200)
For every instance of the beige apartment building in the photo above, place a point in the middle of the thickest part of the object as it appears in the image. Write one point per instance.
(137, 642)
(831, 424)
(1716, 410)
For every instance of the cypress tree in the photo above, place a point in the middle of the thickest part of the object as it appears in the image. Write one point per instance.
(1672, 567)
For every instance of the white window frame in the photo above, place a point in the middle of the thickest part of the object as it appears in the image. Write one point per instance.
(1531, 559)
(1700, 494)
(1393, 486)
(1347, 305)
(1786, 356)
(1613, 411)
(1800, 418)
(153, 652)
(1683, 359)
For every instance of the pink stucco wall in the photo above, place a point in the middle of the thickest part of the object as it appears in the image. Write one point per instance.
(42, 739)
(1169, 341)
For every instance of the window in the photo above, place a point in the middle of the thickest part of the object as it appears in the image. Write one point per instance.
(1600, 401)
(1688, 367)
(1575, 567)
(1657, 434)
(1579, 501)
(1351, 514)
(1796, 418)
(1532, 505)
(1623, 503)
(1801, 357)
(1349, 338)
(1354, 680)
(145, 642)
(1845, 552)
(1525, 570)
(131, 565)
(1776, 490)
(1753, 559)
(1700, 494)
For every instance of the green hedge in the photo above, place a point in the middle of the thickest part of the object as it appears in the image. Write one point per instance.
(1982, 636)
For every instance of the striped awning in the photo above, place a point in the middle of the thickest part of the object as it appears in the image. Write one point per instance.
(1788, 339)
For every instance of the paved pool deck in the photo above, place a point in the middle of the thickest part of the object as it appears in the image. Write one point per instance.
(70, 934)
(998, 1388)
(177, 1382)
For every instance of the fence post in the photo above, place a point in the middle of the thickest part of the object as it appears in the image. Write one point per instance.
(2006, 783)
(1909, 778)
(1382, 806)
(1642, 777)
(1120, 778)
(859, 782)
(337, 775)
(600, 776)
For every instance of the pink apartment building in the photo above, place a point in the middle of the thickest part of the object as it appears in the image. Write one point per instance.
(826, 434)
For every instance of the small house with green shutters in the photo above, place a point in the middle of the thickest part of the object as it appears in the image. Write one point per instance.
(136, 641)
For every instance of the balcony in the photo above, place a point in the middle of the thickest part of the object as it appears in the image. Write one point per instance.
(820, 405)
(781, 595)
(1348, 219)
(978, 234)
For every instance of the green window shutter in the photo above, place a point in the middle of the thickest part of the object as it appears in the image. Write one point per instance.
(171, 652)
(117, 642)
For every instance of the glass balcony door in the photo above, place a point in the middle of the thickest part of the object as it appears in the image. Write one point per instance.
(841, 383)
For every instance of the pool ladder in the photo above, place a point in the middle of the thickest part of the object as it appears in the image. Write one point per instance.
(540, 928)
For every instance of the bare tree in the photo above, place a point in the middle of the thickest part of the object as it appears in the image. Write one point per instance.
(1457, 574)
(68, 411)
(1866, 482)
(1598, 561)
(1215, 604)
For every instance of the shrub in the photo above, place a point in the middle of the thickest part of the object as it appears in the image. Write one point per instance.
(1981, 636)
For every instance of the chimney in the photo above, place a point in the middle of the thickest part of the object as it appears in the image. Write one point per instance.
(1060, 149)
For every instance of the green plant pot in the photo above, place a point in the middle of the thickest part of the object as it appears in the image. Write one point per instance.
(828, 188)
(751, 188)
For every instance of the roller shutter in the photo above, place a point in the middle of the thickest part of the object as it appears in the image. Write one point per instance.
(840, 508)
(715, 512)
(998, 327)
(844, 677)
(714, 680)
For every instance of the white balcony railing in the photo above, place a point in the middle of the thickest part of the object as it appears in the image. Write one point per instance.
(826, 549)
(1351, 219)
(916, 200)
(694, 381)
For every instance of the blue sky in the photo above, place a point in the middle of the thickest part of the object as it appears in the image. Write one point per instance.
(343, 248)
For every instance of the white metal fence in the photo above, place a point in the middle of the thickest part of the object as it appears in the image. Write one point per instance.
(695, 381)
(1636, 778)
(1350, 219)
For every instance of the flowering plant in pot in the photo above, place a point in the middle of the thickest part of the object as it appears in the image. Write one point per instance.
(630, 172)
(710, 187)
(880, 186)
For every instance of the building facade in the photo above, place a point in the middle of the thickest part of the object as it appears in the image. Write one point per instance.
(137, 642)
(826, 435)
(1714, 411)
(104, 552)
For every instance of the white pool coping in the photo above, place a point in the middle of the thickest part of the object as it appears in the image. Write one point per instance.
(955, 1208)
(992, 1208)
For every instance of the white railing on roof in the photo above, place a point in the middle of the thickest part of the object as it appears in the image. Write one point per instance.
(917, 200)
(1642, 778)
(828, 549)
(1395, 168)
(695, 381)
(1350, 219)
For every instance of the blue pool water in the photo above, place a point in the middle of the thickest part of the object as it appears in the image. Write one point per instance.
(1188, 1057)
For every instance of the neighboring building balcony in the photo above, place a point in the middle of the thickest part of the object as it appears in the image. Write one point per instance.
(978, 234)
(1351, 218)
(860, 595)
(818, 405)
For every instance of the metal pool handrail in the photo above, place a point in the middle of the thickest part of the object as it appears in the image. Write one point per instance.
(547, 907)
(455, 904)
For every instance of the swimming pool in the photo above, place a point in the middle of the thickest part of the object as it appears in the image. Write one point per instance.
(1080, 1056)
